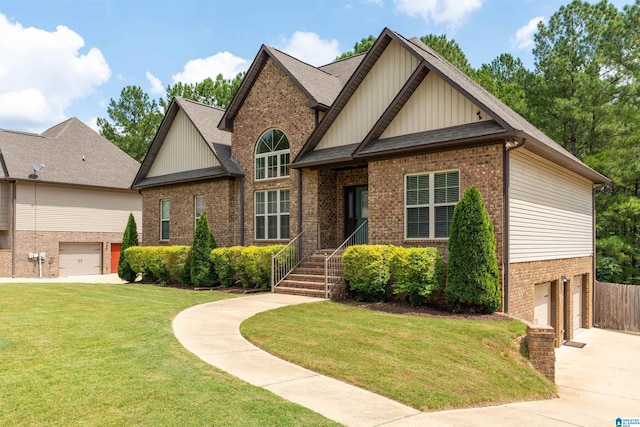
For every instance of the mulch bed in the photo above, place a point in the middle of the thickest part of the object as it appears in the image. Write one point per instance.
(399, 307)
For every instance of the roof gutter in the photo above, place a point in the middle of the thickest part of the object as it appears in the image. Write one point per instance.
(509, 145)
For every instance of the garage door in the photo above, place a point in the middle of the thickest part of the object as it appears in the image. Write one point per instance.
(577, 303)
(541, 304)
(78, 259)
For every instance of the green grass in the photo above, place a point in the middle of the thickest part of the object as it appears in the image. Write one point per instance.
(428, 363)
(92, 355)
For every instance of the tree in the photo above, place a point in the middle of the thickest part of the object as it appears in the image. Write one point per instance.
(506, 78)
(133, 121)
(449, 50)
(129, 239)
(359, 47)
(218, 93)
(473, 280)
(202, 272)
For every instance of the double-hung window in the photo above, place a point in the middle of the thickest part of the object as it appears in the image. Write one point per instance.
(272, 155)
(164, 220)
(429, 202)
(199, 206)
(272, 215)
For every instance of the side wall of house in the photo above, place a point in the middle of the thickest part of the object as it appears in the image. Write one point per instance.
(274, 101)
(221, 210)
(6, 235)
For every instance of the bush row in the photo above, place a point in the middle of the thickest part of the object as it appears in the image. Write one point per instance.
(250, 265)
(374, 271)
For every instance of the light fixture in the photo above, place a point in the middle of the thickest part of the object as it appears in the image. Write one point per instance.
(564, 280)
(479, 114)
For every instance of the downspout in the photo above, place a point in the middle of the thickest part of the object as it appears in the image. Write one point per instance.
(13, 231)
(593, 258)
(506, 180)
(242, 211)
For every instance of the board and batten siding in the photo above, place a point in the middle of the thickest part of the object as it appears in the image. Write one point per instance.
(75, 209)
(183, 149)
(550, 210)
(4, 205)
(434, 105)
(371, 98)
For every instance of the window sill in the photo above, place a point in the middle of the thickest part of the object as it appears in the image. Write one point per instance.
(271, 179)
(434, 240)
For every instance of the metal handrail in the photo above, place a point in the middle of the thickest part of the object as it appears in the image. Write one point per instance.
(333, 262)
(289, 257)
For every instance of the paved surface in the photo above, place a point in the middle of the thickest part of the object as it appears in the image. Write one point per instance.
(597, 383)
(95, 278)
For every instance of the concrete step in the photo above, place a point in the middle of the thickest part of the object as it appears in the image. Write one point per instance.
(303, 277)
(301, 285)
(300, 291)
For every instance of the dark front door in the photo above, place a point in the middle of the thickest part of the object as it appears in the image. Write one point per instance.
(356, 210)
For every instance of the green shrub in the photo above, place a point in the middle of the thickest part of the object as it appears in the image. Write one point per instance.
(416, 271)
(129, 239)
(366, 268)
(133, 256)
(202, 271)
(177, 261)
(222, 265)
(473, 281)
(164, 264)
(255, 265)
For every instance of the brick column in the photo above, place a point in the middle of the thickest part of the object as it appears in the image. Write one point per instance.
(541, 343)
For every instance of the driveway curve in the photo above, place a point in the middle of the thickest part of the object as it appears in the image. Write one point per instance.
(596, 384)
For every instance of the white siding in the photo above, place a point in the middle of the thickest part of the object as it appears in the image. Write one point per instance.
(371, 99)
(550, 210)
(4, 205)
(434, 105)
(75, 209)
(183, 149)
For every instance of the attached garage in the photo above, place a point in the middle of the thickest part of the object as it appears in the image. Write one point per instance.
(77, 259)
(542, 304)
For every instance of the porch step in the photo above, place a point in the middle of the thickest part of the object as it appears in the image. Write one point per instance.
(300, 292)
(308, 278)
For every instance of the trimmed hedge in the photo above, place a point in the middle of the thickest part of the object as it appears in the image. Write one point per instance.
(163, 264)
(366, 268)
(417, 272)
(250, 265)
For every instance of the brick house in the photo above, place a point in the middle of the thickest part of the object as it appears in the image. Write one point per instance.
(389, 139)
(65, 199)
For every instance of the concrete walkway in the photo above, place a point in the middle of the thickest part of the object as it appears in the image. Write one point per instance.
(597, 383)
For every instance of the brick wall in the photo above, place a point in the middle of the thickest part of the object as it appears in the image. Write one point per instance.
(220, 210)
(525, 275)
(541, 344)
(274, 101)
(49, 242)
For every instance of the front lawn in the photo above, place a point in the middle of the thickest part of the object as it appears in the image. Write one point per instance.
(89, 355)
(428, 363)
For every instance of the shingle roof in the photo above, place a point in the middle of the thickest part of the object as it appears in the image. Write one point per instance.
(72, 153)
(205, 119)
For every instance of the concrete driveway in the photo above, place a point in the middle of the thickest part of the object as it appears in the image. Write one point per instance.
(596, 384)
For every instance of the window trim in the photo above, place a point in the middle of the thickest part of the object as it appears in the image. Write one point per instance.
(266, 214)
(431, 205)
(195, 208)
(167, 220)
(277, 154)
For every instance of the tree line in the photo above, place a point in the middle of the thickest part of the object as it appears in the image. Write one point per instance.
(583, 92)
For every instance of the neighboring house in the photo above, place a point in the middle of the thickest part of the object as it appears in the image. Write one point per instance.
(390, 139)
(65, 199)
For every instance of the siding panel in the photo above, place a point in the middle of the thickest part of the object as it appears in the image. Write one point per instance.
(434, 105)
(183, 150)
(74, 209)
(371, 99)
(550, 210)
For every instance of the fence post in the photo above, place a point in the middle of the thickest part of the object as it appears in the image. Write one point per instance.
(273, 273)
(326, 278)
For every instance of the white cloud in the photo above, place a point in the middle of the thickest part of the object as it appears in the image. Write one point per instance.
(524, 36)
(199, 69)
(310, 48)
(42, 73)
(451, 12)
(376, 2)
(156, 84)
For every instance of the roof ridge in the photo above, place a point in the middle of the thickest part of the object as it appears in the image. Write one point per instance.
(181, 98)
(342, 59)
(62, 126)
(299, 60)
(19, 132)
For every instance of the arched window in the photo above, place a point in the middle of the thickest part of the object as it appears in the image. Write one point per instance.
(272, 155)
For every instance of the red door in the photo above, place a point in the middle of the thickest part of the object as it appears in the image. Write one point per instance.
(115, 256)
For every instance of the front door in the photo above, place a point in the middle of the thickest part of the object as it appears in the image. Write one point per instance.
(356, 211)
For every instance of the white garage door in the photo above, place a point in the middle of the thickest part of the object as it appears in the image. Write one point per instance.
(78, 259)
(577, 303)
(541, 304)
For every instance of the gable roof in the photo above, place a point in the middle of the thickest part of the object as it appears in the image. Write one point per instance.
(205, 119)
(72, 153)
(320, 85)
(512, 124)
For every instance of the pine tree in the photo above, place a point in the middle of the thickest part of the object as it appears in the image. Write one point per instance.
(202, 272)
(129, 238)
(473, 280)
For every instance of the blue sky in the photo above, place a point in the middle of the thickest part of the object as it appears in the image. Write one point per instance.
(65, 58)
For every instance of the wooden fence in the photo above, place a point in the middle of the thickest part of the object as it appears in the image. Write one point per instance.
(617, 306)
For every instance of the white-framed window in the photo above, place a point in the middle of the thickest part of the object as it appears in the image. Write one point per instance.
(164, 219)
(199, 206)
(272, 155)
(429, 202)
(272, 215)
